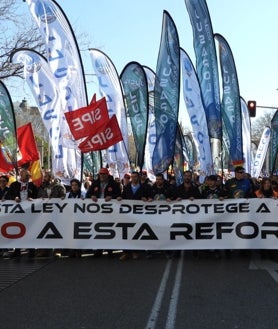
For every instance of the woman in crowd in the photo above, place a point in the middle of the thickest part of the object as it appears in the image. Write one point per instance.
(75, 192)
(266, 189)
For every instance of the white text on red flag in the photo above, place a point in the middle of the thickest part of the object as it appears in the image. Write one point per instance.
(108, 135)
(84, 121)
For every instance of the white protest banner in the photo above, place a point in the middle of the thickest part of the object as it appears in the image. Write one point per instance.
(83, 224)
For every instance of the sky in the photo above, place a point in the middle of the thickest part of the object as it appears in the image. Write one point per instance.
(130, 31)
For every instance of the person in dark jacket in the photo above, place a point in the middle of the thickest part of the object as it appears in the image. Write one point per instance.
(239, 186)
(187, 190)
(134, 191)
(21, 190)
(161, 189)
(4, 180)
(105, 187)
(51, 187)
(211, 189)
(75, 192)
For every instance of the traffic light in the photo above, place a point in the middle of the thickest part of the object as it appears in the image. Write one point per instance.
(252, 108)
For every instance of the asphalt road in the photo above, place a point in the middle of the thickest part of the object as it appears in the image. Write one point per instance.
(186, 292)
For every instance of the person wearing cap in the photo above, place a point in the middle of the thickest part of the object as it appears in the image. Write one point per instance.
(126, 179)
(104, 187)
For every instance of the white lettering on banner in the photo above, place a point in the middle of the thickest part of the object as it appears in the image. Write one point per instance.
(135, 112)
(202, 41)
(229, 105)
(111, 90)
(228, 101)
(100, 139)
(196, 114)
(199, 135)
(205, 44)
(166, 104)
(133, 83)
(91, 117)
(199, 224)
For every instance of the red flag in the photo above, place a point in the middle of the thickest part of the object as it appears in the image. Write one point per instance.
(5, 162)
(27, 154)
(84, 121)
(106, 136)
(27, 145)
(94, 99)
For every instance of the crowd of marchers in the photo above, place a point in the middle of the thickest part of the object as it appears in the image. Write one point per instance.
(135, 186)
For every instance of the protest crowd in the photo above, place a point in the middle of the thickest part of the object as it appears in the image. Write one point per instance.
(136, 186)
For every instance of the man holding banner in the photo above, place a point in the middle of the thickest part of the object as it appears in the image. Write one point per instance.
(239, 186)
(21, 190)
(105, 187)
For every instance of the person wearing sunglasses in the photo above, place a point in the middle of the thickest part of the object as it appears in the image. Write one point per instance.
(239, 186)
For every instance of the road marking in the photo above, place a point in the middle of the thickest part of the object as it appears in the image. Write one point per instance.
(159, 296)
(172, 312)
(265, 264)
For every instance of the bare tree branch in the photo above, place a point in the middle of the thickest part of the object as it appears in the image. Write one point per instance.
(258, 126)
(16, 31)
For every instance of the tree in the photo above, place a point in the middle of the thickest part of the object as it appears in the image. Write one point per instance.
(258, 126)
(16, 31)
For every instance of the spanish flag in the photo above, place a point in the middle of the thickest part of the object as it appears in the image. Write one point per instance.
(29, 154)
